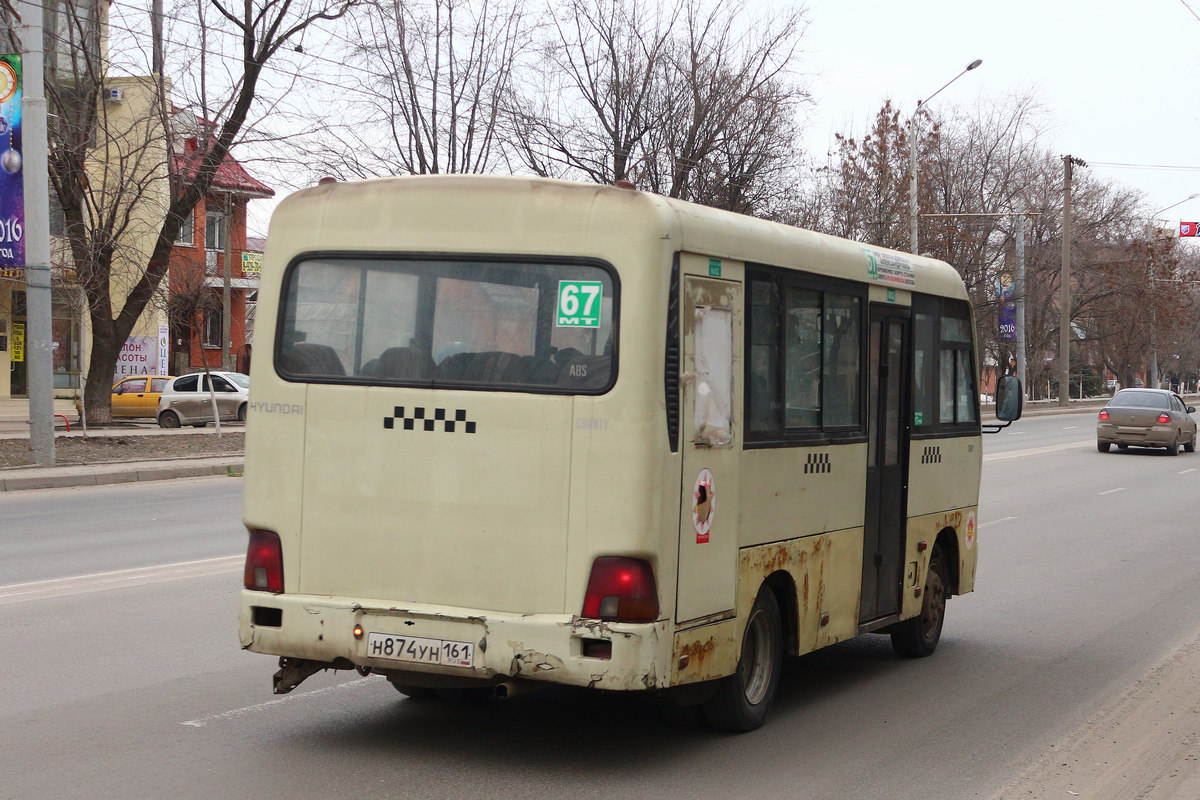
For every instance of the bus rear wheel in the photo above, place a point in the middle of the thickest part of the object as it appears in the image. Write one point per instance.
(918, 637)
(743, 699)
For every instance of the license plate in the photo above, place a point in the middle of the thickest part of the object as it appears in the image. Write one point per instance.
(419, 650)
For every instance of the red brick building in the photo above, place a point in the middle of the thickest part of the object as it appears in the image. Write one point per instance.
(197, 270)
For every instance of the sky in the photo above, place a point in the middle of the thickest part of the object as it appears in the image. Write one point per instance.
(1119, 80)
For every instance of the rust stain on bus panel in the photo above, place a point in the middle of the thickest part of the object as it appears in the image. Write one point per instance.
(772, 558)
(703, 654)
(950, 519)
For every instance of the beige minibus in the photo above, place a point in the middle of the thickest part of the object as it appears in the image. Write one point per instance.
(509, 432)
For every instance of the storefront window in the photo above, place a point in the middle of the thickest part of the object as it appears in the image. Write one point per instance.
(66, 355)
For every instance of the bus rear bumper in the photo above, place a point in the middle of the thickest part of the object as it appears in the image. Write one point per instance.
(432, 645)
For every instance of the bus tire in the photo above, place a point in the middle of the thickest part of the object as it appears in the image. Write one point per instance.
(743, 699)
(918, 637)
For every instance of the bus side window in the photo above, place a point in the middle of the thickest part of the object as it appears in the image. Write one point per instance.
(305, 358)
(944, 394)
(402, 363)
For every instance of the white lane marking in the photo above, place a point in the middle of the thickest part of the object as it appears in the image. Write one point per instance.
(200, 722)
(1186, 471)
(100, 581)
(1034, 451)
(1070, 427)
(995, 521)
(1113, 491)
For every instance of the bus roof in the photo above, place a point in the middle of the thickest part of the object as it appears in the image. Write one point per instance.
(527, 215)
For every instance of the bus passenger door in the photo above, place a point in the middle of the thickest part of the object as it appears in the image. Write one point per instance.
(889, 374)
(711, 323)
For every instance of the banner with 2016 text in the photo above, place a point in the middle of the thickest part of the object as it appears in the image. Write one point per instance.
(12, 185)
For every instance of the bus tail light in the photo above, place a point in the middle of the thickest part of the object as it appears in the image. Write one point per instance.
(1164, 419)
(621, 589)
(264, 562)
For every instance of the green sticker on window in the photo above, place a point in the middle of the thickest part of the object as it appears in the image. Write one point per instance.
(579, 304)
(714, 268)
(918, 418)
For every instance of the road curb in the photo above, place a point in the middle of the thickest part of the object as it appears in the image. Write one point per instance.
(26, 478)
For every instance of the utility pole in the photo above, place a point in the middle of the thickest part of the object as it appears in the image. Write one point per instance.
(1019, 292)
(1064, 325)
(39, 344)
(226, 284)
(156, 34)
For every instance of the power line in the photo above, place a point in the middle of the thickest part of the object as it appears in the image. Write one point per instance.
(1119, 165)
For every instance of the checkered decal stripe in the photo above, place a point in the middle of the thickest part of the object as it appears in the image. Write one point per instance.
(818, 463)
(430, 419)
(931, 455)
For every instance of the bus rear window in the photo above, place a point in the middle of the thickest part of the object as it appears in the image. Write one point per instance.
(493, 324)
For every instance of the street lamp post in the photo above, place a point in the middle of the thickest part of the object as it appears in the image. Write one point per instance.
(912, 156)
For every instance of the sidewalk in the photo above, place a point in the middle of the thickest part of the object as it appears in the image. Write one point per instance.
(14, 424)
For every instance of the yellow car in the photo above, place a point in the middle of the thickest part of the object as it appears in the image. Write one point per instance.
(137, 396)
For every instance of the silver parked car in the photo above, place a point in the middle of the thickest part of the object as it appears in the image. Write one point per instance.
(1146, 418)
(186, 400)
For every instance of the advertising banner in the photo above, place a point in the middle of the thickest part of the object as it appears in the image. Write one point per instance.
(1006, 291)
(1008, 321)
(139, 356)
(164, 349)
(12, 187)
(251, 263)
(1187, 228)
(17, 348)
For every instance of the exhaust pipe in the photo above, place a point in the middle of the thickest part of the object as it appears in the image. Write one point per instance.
(510, 689)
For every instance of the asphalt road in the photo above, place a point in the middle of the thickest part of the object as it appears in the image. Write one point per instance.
(134, 685)
(85, 530)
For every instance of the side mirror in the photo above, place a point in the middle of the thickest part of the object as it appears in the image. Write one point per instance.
(1010, 400)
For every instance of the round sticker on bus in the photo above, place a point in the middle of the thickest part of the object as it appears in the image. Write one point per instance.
(970, 530)
(704, 505)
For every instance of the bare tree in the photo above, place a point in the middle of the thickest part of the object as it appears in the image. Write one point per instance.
(1143, 303)
(592, 105)
(438, 73)
(752, 171)
(976, 172)
(108, 170)
(729, 103)
(692, 101)
(862, 191)
(1105, 219)
(191, 300)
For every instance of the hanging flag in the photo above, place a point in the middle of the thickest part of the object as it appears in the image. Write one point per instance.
(1008, 321)
(1188, 228)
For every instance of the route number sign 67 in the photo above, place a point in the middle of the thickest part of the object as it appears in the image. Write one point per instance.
(579, 304)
